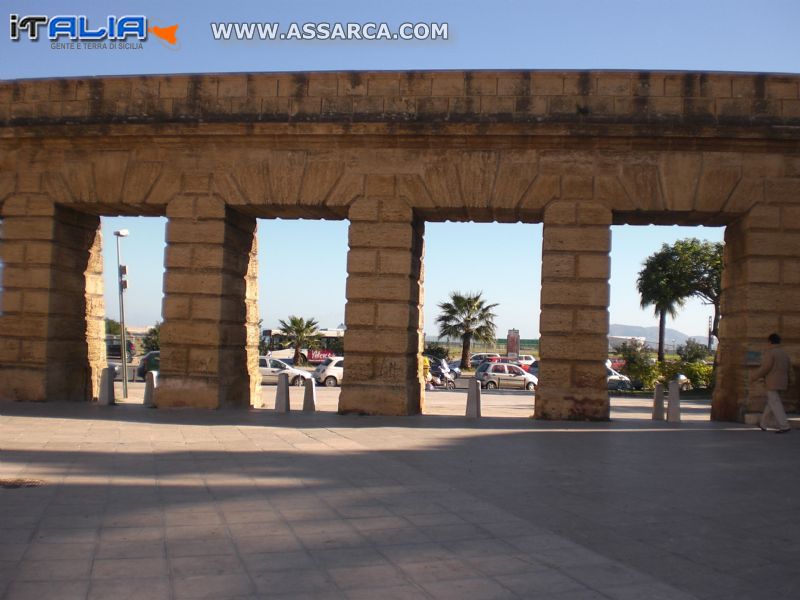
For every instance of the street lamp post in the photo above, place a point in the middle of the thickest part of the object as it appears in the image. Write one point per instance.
(122, 271)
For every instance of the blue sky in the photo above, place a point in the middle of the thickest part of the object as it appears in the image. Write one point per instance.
(732, 35)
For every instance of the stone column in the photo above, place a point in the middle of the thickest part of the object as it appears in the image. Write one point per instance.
(760, 296)
(383, 339)
(574, 317)
(52, 337)
(207, 345)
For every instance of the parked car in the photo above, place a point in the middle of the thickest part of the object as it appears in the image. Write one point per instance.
(330, 372)
(617, 381)
(533, 368)
(526, 359)
(271, 368)
(114, 348)
(149, 362)
(477, 359)
(500, 375)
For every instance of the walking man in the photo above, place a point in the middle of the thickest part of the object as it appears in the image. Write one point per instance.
(774, 370)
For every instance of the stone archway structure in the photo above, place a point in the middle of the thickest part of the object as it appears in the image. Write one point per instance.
(578, 151)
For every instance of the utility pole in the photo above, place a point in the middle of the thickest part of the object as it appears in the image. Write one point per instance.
(122, 271)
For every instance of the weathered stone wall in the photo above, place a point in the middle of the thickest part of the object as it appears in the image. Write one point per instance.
(576, 150)
(206, 345)
(52, 336)
(574, 320)
(383, 314)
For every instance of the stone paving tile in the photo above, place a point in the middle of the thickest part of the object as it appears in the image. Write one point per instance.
(200, 547)
(213, 587)
(475, 589)
(53, 570)
(399, 592)
(39, 590)
(205, 565)
(549, 581)
(370, 576)
(135, 549)
(295, 582)
(139, 588)
(279, 561)
(111, 568)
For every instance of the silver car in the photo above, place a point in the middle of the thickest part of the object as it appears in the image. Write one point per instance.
(501, 375)
(272, 367)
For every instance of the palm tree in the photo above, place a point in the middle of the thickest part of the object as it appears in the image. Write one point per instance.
(467, 316)
(662, 284)
(302, 333)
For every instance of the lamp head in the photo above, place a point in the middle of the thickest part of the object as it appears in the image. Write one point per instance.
(122, 233)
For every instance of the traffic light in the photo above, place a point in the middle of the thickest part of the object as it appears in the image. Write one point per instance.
(123, 272)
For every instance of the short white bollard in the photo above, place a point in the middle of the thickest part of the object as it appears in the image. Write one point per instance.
(674, 409)
(106, 387)
(150, 385)
(310, 396)
(474, 399)
(658, 403)
(282, 394)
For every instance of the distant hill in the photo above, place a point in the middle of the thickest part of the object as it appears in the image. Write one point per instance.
(651, 334)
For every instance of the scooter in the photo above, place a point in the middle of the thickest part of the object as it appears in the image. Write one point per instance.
(443, 380)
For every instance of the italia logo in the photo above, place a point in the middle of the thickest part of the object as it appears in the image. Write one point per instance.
(77, 28)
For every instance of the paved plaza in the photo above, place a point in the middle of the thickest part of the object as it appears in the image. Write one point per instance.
(145, 503)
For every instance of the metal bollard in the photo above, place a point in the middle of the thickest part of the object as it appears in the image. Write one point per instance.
(106, 387)
(674, 409)
(474, 399)
(658, 403)
(310, 396)
(282, 394)
(150, 385)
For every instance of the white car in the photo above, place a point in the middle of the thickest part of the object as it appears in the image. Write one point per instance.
(477, 359)
(617, 381)
(330, 371)
(272, 367)
(526, 359)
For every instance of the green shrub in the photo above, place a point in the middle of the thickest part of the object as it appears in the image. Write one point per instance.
(698, 373)
(638, 364)
(692, 351)
(437, 350)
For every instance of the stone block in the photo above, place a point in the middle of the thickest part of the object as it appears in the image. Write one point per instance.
(359, 314)
(448, 85)
(380, 235)
(395, 342)
(363, 260)
(576, 239)
(398, 315)
(557, 320)
(561, 213)
(364, 209)
(400, 289)
(577, 187)
(399, 262)
(379, 399)
(594, 266)
(589, 375)
(592, 321)
(574, 347)
(593, 214)
(764, 271)
(555, 265)
(577, 293)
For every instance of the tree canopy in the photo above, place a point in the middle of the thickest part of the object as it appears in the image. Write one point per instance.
(468, 317)
(303, 333)
(687, 268)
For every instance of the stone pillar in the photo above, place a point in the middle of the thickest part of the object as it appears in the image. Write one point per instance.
(383, 339)
(52, 337)
(760, 296)
(574, 318)
(207, 345)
